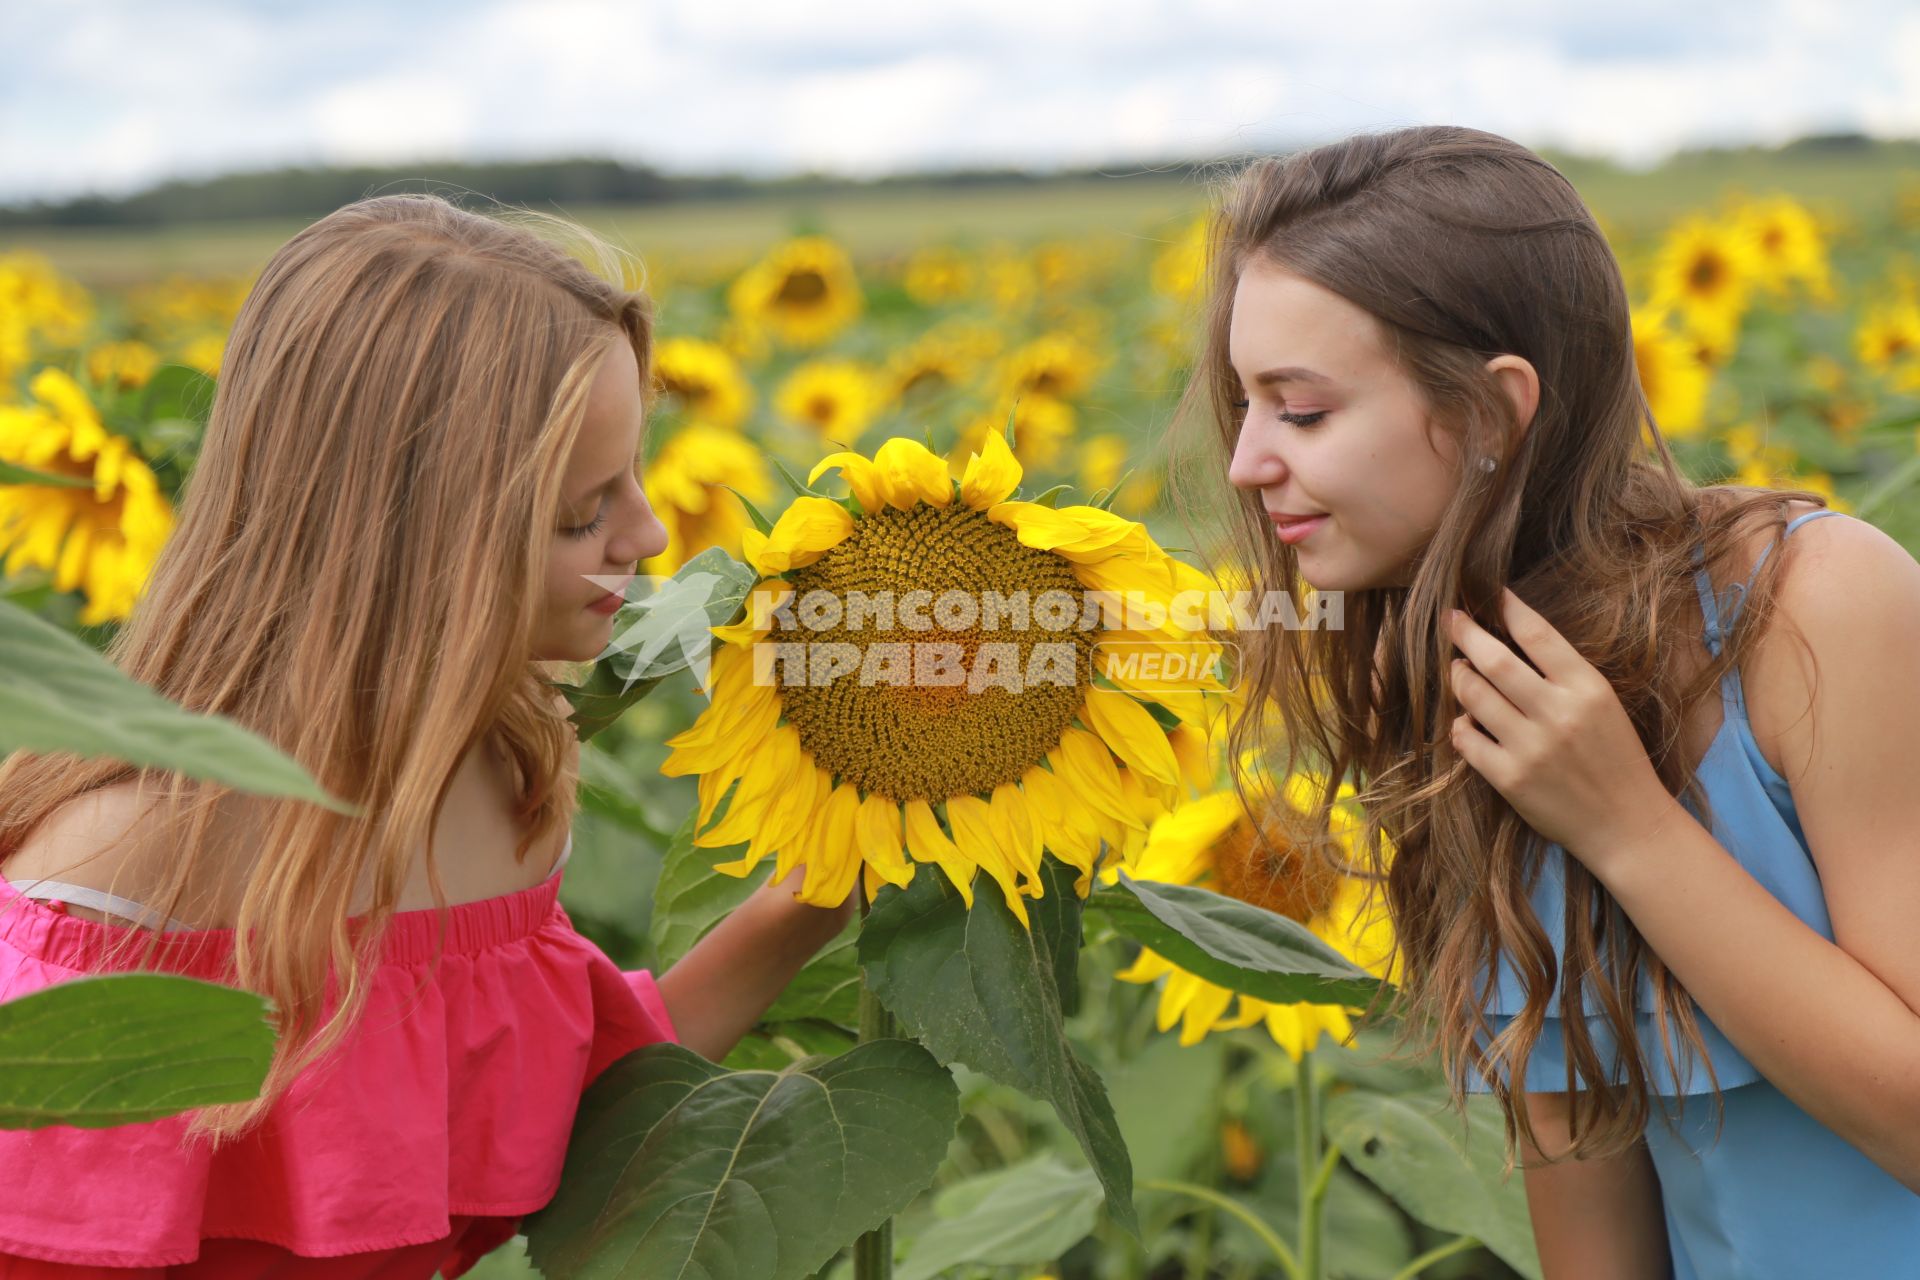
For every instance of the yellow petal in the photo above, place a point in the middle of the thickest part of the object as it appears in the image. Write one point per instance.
(807, 530)
(864, 480)
(1083, 762)
(928, 843)
(991, 475)
(913, 474)
(833, 863)
(973, 832)
(753, 544)
(1018, 834)
(1132, 732)
(767, 595)
(877, 828)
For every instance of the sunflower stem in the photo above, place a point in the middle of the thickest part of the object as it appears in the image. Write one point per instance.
(1312, 1186)
(873, 1252)
(1459, 1244)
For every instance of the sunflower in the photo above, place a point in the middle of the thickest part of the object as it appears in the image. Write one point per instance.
(803, 292)
(1056, 365)
(1788, 246)
(1705, 270)
(692, 484)
(930, 367)
(837, 398)
(102, 540)
(1671, 374)
(1210, 842)
(1181, 265)
(938, 274)
(122, 364)
(704, 380)
(1888, 342)
(972, 754)
(43, 302)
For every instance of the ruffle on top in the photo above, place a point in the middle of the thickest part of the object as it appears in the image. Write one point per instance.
(450, 1102)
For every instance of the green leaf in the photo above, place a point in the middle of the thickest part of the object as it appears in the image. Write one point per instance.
(118, 1049)
(1168, 1101)
(11, 473)
(658, 636)
(57, 694)
(828, 987)
(1025, 1215)
(1104, 499)
(691, 897)
(177, 391)
(800, 488)
(677, 1167)
(760, 522)
(1051, 498)
(1410, 1146)
(1233, 944)
(977, 988)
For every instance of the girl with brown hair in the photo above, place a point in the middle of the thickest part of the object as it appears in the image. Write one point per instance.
(419, 480)
(1638, 849)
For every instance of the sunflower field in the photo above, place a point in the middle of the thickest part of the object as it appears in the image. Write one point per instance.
(1092, 1023)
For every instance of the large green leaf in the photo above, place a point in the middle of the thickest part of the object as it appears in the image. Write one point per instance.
(677, 1167)
(1234, 944)
(1410, 1146)
(56, 694)
(1022, 1216)
(1168, 1101)
(659, 635)
(125, 1048)
(691, 897)
(977, 988)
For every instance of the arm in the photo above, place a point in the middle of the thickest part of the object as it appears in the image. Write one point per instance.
(1592, 1219)
(719, 989)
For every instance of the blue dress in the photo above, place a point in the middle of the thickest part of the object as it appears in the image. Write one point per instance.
(1779, 1194)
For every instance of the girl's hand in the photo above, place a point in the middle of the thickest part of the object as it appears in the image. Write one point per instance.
(1555, 742)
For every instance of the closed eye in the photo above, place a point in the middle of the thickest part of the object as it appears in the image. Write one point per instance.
(1296, 419)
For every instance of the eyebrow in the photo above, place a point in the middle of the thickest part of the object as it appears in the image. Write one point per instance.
(1291, 373)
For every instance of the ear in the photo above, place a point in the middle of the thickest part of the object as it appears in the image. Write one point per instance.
(1521, 384)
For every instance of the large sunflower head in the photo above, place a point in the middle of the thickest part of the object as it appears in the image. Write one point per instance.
(102, 539)
(936, 672)
(1211, 842)
(803, 292)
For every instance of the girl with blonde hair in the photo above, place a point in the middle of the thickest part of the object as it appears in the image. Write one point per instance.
(419, 477)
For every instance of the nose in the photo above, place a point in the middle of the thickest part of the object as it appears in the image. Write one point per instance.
(646, 538)
(1254, 465)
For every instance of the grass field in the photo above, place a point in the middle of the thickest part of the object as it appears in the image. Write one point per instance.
(1863, 183)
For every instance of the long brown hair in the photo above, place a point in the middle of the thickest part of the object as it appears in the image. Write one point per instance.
(357, 575)
(1462, 245)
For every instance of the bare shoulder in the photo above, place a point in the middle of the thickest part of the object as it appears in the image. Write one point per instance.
(94, 840)
(1847, 591)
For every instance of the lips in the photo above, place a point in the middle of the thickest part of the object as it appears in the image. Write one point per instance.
(1285, 518)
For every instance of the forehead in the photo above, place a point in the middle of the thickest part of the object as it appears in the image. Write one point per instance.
(614, 411)
(1280, 318)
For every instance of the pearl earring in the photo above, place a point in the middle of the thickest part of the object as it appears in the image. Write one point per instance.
(1488, 465)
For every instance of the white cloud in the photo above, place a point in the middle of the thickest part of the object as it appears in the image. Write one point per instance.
(120, 94)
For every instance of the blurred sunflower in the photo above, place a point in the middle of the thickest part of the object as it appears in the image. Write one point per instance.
(1888, 342)
(1211, 843)
(1788, 246)
(1705, 270)
(1104, 459)
(122, 364)
(691, 485)
(939, 274)
(837, 398)
(1057, 365)
(205, 353)
(39, 303)
(101, 540)
(703, 380)
(930, 367)
(1671, 375)
(895, 767)
(803, 292)
(1180, 266)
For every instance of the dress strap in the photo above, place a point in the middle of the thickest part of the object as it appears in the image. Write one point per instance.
(1717, 630)
(98, 899)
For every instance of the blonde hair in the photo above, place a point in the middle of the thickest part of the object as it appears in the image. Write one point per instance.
(357, 575)
(1461, 245)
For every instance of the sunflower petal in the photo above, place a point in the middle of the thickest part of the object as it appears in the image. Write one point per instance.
(1132, 732)
(877, 829)
(806, 530)
(913, 473)
(928, 843)
(864, 480)
(1083, 762)
(991, 475)
(973, 832)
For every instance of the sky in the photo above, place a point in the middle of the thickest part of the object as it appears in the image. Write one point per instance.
(120, 94)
